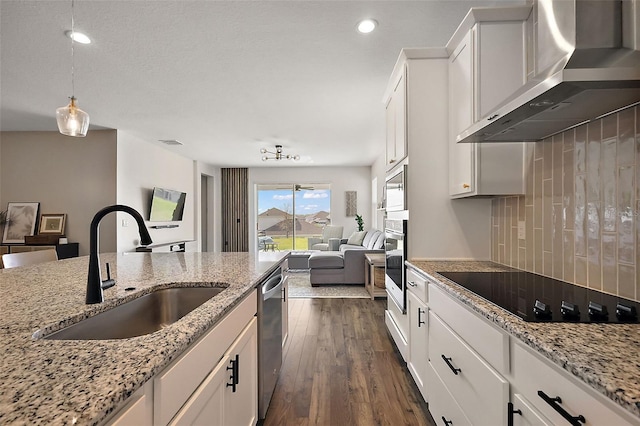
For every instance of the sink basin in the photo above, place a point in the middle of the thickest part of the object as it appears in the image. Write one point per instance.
(140, 316)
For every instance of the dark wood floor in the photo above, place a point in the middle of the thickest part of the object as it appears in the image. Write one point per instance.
(340, 368)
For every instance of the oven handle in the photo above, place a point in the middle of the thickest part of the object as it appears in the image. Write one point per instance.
(390, 233)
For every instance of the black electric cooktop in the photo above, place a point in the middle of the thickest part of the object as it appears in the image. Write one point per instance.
(536, 298)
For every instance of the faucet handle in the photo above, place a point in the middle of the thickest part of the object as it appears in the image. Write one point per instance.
(108, 283)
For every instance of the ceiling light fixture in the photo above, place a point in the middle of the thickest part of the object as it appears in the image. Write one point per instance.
(278, 155)
(72, 121)
(367, 25)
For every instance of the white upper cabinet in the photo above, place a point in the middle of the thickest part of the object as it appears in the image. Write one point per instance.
(488, 63)
(397, 123)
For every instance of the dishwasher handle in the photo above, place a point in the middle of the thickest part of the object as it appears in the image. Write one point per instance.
(272, 286)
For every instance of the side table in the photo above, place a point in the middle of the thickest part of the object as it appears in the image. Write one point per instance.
(374, 274)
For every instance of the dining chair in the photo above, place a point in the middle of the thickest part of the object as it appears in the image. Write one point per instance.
(13, 260)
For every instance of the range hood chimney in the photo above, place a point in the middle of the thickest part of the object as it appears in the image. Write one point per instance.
(587, 65)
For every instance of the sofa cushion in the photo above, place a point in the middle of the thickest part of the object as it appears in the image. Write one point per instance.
(367, 238)
(379, 243)
(357, 238)
(328, 260)
(373, 237)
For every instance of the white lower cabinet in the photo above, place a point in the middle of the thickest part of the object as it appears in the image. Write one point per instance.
(417, 311)
(397, 323)
(522, 413)
(228, 396)
(138, 410)
(442, 405)
(479, 390)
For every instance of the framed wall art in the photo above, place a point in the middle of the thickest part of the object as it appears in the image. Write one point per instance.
(52, 224)
(21, 221)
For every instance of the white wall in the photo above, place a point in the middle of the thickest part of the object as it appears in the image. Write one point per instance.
(68, 175)
(142, 165)
(341, 179)
(214, 220)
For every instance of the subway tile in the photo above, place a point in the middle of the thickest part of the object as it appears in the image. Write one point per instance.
(593, 162)
(547, 264)
(594, 244)
(610, 126)
(537, 195)
(609, 192)
(529, 173)
(557, 242)
(501, 253)
(569, 140)
(626, 137)
(556, 174)
(547, 215)
(494, 242)
(522, 255)
(581, 271)
(568, 190)
(581, 216)
(609, 263)
(567, 256)
(507, 234)
(626, 217)
(521, 205)
(537, 250)
(626, 281)
(538, 150)
(529, 239)
(547, 158)
(580, 149)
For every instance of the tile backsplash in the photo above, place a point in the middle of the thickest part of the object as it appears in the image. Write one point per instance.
(580, 215)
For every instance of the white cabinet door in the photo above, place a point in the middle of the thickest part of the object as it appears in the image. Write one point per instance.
(285, 309)
(241, 400)
(418, 341)
(461, 80)
(523, 413)
(396, 120)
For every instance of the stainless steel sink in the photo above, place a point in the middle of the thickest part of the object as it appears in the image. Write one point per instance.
(140, 316)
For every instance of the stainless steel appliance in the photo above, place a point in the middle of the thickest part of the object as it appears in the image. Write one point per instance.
(395, 251)
(536, 298)
(269, 338)
(395, 185)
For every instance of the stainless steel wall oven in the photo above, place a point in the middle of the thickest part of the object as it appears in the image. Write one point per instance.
(395, 252)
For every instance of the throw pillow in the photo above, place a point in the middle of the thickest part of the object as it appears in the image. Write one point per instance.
(356, 238)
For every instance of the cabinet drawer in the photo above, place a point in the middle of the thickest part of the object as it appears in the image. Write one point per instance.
(417, 284)
(491, 343)
(532, 374)
(174, 386)
(442, 405)
(479, 390)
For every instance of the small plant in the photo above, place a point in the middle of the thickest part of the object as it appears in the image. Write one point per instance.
(360, 222)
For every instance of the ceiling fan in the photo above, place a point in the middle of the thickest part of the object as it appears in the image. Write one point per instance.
(298, 187)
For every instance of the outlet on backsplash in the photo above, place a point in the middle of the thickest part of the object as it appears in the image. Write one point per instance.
(521, 231)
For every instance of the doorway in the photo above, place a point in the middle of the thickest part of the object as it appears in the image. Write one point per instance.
(206, 213)
(288, 214)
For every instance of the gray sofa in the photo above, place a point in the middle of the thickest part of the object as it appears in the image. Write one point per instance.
(345, 266)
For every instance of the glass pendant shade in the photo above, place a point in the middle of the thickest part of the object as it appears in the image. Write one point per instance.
(72, 121)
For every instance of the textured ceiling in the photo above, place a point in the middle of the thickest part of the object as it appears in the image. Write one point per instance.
(225, 78)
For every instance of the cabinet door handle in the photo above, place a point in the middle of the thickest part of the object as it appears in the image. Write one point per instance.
(555, 404)
(412, 283)
(510, 413)
(284, 295)
(448, 361)
(392, 161)
(235, 369)
(493, 117)
(466, 186)
(420, 312)
(446, 422)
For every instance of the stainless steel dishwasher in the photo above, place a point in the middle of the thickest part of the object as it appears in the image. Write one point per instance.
(269, 338)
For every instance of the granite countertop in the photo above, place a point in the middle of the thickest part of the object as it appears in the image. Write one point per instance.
(82, 382)
(604, 356)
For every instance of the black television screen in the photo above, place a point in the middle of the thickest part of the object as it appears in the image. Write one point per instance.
(167, 205)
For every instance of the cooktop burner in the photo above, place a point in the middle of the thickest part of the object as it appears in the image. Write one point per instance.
(536, 298)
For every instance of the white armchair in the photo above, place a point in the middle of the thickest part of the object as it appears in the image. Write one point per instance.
(330, 240)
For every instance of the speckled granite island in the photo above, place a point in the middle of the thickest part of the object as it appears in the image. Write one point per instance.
(82, 382)
(604, 356)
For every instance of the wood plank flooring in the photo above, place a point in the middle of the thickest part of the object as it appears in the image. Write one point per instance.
(340, 368)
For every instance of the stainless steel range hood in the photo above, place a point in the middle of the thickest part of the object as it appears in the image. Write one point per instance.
(587, 63)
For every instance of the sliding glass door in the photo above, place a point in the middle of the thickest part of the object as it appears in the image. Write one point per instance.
(289, 214)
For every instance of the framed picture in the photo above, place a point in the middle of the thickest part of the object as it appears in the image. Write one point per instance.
(21, 221)
(52, 224)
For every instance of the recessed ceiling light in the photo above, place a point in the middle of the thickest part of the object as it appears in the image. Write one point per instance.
(367, 25)
(78, 37)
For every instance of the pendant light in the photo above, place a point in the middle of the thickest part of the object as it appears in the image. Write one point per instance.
(72, 121)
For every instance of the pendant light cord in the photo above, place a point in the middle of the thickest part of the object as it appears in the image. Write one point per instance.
(73, 64)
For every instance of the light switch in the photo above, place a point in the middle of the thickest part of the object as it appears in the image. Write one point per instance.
(125, 223)
(521, 230)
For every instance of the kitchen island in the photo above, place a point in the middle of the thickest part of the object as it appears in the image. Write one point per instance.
(83, 382)
(605, 357)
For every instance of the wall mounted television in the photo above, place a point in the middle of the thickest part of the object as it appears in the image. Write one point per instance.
(167, 205)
